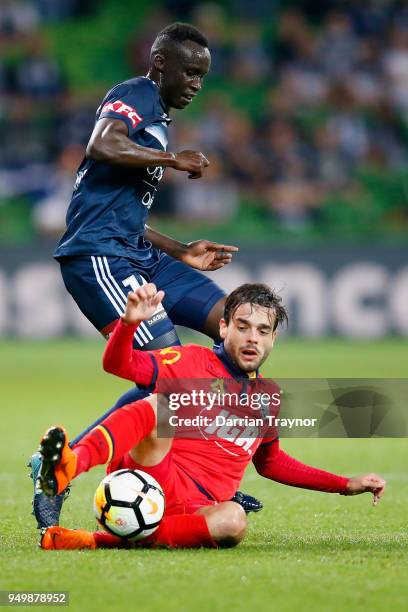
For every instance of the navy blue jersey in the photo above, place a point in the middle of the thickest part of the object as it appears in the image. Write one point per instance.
(110, 204)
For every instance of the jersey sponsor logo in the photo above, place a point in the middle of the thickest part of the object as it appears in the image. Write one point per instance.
(154, 175)
(243, 432)
(170, 351)
(121, 108)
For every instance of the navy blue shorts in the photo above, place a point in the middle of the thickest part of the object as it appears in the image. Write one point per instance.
(99, 285)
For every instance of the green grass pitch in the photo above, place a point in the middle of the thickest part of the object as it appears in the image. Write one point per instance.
(305, 550)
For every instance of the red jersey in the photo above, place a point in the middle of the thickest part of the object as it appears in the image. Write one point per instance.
(216, 462)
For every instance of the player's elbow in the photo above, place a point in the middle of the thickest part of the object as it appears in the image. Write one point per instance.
(96, 150)
(106, 143)
(107, 364)
(260, 468)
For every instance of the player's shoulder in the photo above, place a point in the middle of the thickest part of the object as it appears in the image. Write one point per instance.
(141, 91)
(187, 354)
(197, 349)
(140, 82)
(204, 359)
(185, 350)
(143, 85)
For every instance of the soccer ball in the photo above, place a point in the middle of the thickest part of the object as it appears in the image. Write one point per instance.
(129, 504)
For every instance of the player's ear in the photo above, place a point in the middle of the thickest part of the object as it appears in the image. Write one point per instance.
(158, 61)
(274, 334)
(223, 329)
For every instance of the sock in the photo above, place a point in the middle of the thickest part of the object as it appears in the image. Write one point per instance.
(184, 531)
(115, 436)
(175, 531)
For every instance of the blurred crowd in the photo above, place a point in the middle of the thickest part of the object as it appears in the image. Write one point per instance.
(302, 97)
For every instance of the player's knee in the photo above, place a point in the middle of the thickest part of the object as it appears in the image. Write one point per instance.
(226, 523)
(234, 526)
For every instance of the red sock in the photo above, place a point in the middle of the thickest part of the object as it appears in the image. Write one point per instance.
(175, 531)
(183, 531)
(115, 436)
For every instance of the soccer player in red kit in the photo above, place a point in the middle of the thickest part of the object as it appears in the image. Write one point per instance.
(199, 474)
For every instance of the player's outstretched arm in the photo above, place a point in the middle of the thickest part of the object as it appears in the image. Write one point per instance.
(370, 483)
(142, 304)
(201, 254)
(110, 143)
(119, 357)
(272, 462)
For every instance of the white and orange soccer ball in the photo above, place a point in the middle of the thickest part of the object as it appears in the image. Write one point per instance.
(129, 503)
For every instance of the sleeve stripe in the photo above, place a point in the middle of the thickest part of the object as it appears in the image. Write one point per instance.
(109, 441)
(156, 368)
(159, 134)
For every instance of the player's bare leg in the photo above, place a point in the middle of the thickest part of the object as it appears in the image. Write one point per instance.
(151, 451)
(227, 523)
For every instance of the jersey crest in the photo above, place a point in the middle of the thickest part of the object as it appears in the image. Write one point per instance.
(173, 355)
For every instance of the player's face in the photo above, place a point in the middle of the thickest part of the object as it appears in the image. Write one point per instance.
(249, 336)
(182, 74)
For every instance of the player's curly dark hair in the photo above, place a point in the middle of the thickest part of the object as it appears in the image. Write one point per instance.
(256, 293)
(179, 33)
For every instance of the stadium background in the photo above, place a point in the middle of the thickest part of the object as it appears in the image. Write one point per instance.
(304, 119)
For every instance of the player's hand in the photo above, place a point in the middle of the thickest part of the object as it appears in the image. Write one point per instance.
(192, 162)
(205, 255)
(142, 303)
(371, 483)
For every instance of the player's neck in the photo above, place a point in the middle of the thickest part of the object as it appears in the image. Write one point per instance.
(154, 76)
(230, 365)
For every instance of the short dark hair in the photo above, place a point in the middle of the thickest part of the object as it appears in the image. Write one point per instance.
(179, 33)
(255, 293)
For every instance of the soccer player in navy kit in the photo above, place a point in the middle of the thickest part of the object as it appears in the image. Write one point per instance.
(107, 249)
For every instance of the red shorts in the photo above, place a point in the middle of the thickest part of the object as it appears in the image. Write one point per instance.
(183, 496)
